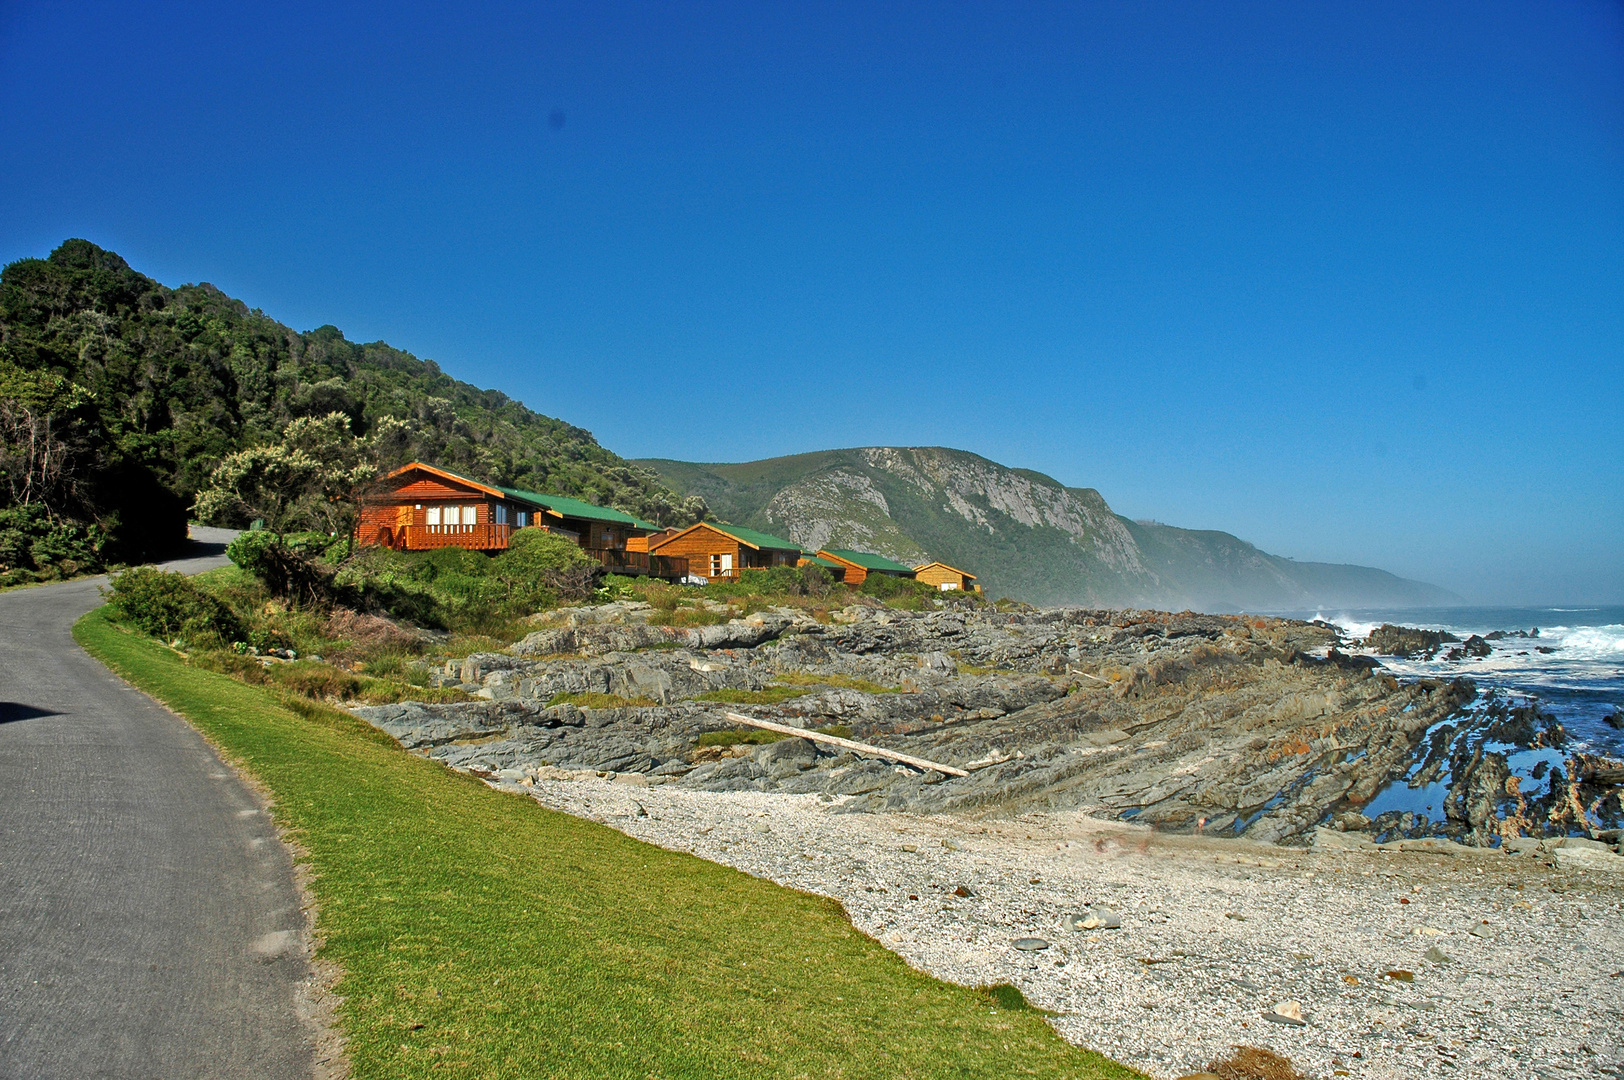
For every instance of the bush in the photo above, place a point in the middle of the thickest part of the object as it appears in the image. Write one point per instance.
(168, 605)
(540, 568)
(899, 592)
(288, 565)
(36, 547)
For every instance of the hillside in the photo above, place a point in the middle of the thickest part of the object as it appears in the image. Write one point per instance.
(137, 391)
(1025, 534)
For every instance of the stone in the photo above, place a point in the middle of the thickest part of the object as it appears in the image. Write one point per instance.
(1482, 930)
(631, 778)
(963, 891)
(1095, 918)
(1345, 841)
(1436, 955)
(1400, 975)
(1599, 857)
(1031, 944)
(1288, 1012)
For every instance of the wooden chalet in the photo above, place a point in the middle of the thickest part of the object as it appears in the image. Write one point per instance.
(421, 507)
(860, 564)
(721, 552)
(946, 578)
(835, 570)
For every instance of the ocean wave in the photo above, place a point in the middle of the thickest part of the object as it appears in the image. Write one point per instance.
(1587, 642)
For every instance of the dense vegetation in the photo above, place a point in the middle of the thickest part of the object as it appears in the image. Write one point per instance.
(124, 404)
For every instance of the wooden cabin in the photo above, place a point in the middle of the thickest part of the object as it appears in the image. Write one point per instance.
(421, 507)
(721, 552)
(860, 564)
(834, 569)
(946, 578)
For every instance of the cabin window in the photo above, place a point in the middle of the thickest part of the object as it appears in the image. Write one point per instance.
(501, 513)
(452, 515)
(470, 515)
(523, 519)
(432, 515)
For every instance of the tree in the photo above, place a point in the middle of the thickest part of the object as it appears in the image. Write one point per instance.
(306, 481)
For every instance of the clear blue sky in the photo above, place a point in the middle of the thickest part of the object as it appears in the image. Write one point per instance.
(1344, 279)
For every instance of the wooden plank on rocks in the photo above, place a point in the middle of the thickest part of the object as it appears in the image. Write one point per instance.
(835, 740)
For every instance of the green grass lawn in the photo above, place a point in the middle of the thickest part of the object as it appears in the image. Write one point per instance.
(482, 935)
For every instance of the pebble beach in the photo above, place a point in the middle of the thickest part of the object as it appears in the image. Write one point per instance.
(1403, 964)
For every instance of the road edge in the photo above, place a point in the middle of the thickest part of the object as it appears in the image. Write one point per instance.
(315, 1000)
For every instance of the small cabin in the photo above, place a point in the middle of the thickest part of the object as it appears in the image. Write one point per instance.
(721, 552)
(834, 569)
(860, 564)
(946, 578)
(421, 507)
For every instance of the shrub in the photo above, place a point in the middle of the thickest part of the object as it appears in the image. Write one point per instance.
(287, 565)
(36, 547)
(167, 605)
(898, 592)
(540, 568)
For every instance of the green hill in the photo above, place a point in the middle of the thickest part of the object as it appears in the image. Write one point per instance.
(140, 390)
(1024, 534)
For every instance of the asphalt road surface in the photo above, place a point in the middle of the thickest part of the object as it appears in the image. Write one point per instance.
(149, 923)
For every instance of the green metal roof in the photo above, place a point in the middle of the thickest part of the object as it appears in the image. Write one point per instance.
(562, 504)
(878, 563)
(575, 508)
(755, 539)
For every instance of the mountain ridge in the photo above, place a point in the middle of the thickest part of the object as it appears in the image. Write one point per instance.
(1022, 532)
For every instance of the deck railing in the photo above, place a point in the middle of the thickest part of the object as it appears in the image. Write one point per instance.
(487, 537)
(495, 537)
(641, 563)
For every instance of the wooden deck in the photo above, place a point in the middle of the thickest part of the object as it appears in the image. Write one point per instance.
(491, 537)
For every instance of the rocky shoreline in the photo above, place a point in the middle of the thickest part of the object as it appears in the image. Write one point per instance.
(1160, 838)
(1225, 725)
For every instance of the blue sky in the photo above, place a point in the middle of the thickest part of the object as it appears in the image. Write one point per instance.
(1346, 279)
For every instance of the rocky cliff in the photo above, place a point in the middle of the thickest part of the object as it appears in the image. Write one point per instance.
(1025, 534)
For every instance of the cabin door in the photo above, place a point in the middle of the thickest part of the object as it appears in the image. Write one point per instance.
(727, 563)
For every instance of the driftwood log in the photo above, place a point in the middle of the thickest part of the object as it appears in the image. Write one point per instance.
(835, 740)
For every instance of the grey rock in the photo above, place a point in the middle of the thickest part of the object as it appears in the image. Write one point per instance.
(1344, 841)
(1097, 917)
(1436, 956)
(1031, 944)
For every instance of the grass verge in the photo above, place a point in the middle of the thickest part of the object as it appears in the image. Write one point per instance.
(484, 936)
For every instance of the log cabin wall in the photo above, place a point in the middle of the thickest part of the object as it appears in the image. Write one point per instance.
(704, 549)
(856, 574)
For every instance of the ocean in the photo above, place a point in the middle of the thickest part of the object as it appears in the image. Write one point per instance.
(1568, 662)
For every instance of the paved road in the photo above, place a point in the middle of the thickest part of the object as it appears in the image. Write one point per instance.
(145, 903)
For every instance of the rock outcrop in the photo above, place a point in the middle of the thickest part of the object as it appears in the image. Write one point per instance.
(1238, 726)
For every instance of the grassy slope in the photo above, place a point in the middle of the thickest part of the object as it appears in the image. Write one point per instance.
(482, 935)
